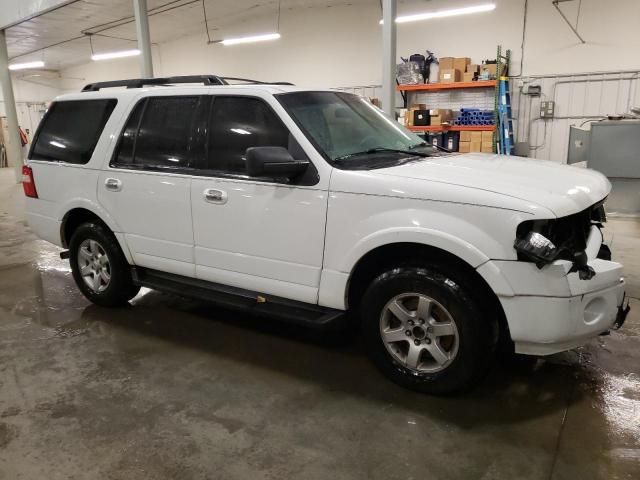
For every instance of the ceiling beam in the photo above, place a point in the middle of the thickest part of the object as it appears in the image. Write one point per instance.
(15, 12)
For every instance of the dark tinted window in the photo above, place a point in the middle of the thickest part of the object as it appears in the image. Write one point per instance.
(237, 123)
(128, 138)
(162, 137)
(71, 129)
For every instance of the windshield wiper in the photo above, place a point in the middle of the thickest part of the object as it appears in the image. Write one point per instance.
(434, 145)
(378, 150)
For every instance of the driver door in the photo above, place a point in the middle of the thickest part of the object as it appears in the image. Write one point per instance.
(259, 234)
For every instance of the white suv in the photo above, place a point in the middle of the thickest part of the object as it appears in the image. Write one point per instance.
(306, 204)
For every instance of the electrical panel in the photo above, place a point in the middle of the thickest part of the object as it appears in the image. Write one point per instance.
(547, 109)
(532, 90)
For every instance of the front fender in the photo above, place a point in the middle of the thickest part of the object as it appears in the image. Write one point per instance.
(425, 236)
(358, 224)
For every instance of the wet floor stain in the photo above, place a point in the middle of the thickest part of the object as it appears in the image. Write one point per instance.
(174, 388)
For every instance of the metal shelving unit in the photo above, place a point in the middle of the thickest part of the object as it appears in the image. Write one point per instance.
(501, 67)
(425, 87)
(454, 128)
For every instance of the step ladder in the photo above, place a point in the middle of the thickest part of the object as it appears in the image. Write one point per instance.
(504, 124)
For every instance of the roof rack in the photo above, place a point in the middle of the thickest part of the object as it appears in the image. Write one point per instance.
(165, 81)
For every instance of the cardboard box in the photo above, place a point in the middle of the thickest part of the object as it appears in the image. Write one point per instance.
(440, 111)
(472, 68)
(440, 115)
(468, 77)
(439, 120)
(461, 63)
(409, 116)
(475, 146)
(486, 147)
(487, 137)
(476, 137)
(449, 75)
(446, 63)
(464, 147)
(419, 106)
(491, 68)
(421, 118)
(465, 136)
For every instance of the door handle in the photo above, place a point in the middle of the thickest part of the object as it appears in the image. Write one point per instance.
(213, 195)
(113, 184)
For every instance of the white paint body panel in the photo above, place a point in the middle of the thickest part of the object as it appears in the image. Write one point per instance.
(154, 213)
(272, 232)
(303, 243)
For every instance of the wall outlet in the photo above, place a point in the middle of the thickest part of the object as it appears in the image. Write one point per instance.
(547, 109)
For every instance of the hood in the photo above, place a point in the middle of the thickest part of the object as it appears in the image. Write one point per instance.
(562, 189)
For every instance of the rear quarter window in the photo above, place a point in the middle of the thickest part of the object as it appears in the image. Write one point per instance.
(70, 130)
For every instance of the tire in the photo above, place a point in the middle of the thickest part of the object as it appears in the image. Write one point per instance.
(99, 267)
(446, 352)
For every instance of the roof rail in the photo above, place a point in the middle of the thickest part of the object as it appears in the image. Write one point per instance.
(203, 79)
(256, 82)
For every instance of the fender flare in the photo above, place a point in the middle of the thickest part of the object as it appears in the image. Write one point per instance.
(335, 284)
(425, 236)
(101, 213)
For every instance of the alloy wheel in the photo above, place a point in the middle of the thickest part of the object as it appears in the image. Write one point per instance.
(419, 332)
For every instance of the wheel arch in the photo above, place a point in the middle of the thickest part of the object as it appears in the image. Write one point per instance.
(78, 215)
(387, 256)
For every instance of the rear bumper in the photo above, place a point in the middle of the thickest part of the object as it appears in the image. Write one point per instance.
(44, 227)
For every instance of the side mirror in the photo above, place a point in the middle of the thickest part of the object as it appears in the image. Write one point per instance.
(273, 162)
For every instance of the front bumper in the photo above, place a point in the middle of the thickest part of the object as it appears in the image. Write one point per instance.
(543, 325)
(550, 310)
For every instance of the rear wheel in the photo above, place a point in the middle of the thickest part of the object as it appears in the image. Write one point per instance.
(99, 267)
(424, 331)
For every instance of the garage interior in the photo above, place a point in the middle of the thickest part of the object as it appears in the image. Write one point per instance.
(178, 388)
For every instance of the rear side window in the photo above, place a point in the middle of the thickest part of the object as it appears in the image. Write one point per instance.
(159, 134)
(70, 130)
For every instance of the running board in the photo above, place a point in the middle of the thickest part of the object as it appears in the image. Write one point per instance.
(291, 311)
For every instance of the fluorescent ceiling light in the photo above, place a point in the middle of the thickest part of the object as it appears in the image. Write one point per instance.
(110, 55)
(487, 7)
(22, 66)
(255, 38)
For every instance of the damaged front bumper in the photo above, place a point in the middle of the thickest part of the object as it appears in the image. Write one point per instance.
(552, 309)
(621, 317)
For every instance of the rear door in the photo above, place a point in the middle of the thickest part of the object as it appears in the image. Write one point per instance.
(148, 183)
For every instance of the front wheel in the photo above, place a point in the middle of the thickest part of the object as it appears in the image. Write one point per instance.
(424, 331)
(99, 267)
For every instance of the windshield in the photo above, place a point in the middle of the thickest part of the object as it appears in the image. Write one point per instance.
(346, 127)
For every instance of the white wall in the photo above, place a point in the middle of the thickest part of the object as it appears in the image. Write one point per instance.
(341, 46)
(32, 95)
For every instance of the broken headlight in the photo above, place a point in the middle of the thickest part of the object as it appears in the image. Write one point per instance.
(537, 248)
(564, 238)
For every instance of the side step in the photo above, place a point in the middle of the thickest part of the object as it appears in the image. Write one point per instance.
(291, 311)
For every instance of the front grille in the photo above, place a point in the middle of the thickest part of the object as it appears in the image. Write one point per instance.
(569, 234)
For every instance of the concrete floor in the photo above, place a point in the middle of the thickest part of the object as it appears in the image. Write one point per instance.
(172, 388)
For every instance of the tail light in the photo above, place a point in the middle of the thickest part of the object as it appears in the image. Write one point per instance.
(28, 184)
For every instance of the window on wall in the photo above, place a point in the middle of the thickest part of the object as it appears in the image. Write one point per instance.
(237, 123)
(71, 129)
(159, 133)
